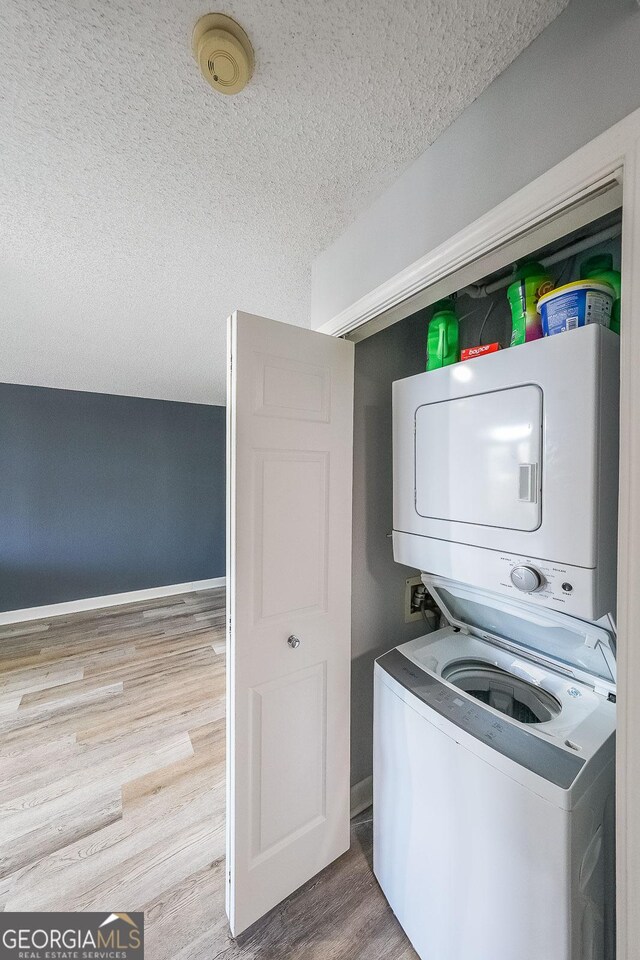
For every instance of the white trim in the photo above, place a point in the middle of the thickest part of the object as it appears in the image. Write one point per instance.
(628, 712)
(361, 796)
(564, 187)
(615, 154)
(230, 485)
(112, 600)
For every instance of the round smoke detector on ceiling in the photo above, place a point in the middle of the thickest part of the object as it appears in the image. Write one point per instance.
(224, 52)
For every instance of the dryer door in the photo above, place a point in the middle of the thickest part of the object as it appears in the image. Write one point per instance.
(478, 459)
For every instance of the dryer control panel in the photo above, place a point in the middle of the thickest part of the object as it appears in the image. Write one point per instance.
(529, 576)
(544, 583)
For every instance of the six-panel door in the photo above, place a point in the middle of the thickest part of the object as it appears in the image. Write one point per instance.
(289, 604)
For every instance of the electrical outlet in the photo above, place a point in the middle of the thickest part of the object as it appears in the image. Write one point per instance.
(412, 584)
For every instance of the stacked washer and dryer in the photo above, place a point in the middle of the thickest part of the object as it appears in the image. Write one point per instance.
(494, 737)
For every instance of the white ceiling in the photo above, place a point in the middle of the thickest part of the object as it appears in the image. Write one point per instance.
(138, 207)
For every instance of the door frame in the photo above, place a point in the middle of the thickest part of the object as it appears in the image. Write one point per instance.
(543, 209)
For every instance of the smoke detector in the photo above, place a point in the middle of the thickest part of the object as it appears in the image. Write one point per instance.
(224, 52)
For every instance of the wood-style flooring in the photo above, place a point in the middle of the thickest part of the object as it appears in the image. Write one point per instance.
(112, 790)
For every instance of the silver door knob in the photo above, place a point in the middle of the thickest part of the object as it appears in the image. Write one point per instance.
(293, 642)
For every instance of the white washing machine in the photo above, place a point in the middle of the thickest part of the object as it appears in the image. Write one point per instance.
(494, 782)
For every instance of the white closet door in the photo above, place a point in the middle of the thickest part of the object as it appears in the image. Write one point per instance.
(289, 466)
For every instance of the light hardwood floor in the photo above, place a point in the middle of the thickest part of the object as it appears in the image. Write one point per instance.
(112, 790)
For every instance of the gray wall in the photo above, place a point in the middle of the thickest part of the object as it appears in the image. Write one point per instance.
(580, 76)
(377, 619)
(104, 494)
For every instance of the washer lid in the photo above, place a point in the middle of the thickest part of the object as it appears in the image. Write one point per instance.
(584, 649)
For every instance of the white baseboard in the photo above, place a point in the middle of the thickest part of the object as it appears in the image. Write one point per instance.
(361, 796)
(113, 600)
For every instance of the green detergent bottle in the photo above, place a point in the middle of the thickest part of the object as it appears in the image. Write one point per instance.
(600, 267)
(532, 280)
(443, 345)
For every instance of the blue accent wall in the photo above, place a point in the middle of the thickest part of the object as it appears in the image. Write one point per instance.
(104, 494)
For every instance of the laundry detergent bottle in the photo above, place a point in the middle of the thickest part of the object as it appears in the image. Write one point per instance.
(532, 280)
(443, 338)
(600, 267)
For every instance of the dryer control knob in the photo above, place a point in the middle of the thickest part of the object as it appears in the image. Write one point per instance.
(527, 579)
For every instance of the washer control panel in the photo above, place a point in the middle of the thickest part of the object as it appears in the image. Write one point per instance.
(526, 578)
(508, 737)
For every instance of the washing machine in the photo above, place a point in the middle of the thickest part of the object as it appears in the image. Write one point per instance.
(494, 743)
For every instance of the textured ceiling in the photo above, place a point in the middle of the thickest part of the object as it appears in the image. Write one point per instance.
(138, 207)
